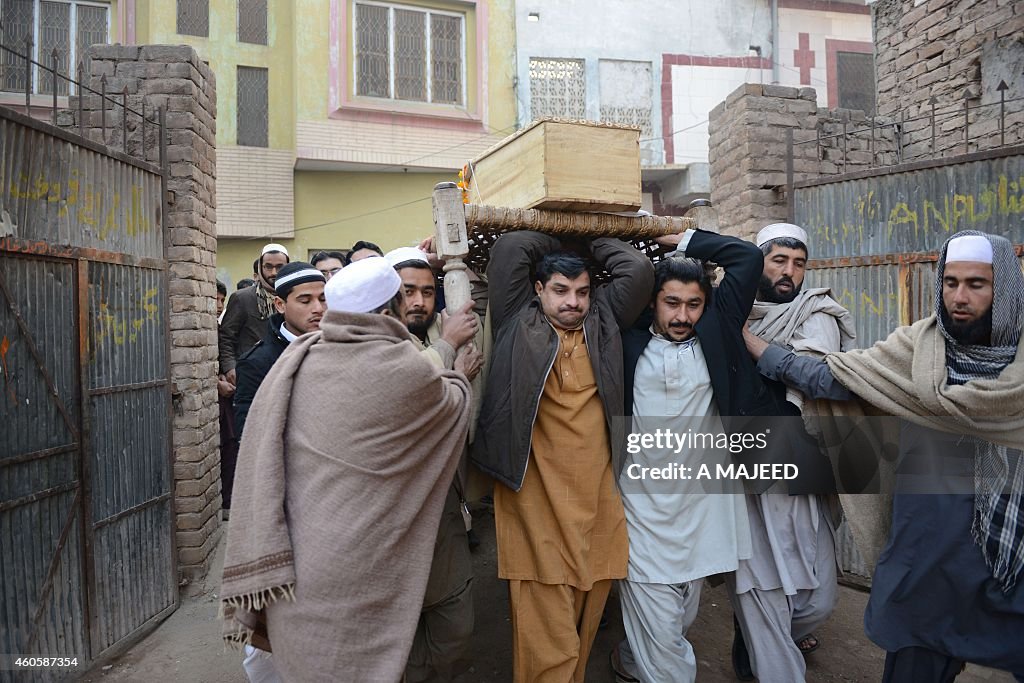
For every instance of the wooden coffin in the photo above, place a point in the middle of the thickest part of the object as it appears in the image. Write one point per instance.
(561, 165)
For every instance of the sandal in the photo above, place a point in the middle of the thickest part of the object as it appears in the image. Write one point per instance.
(620, 674)
(806, 649)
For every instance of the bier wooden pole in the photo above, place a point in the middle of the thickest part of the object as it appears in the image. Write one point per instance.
(451, 242)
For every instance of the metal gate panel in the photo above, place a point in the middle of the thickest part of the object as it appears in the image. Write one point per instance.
(914, 208)
(66, 192)
(870, 293)
(129, 411)
(85, 482)
(41, 571)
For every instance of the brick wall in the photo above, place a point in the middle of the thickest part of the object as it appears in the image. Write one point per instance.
(748, 156)
(174, 77)
(946, 49)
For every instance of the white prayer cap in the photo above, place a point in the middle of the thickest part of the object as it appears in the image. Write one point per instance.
(975, 248)
(274, 247)
(777, 230)
(362, 287)
(403, 254)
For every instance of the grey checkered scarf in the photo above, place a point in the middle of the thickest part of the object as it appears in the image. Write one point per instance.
(998, 526)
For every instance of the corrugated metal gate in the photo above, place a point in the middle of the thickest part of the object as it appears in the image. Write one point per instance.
(874, 239)
(86, 519)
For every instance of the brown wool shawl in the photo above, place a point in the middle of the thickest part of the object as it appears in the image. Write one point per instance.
(338, 494)
(905, 376)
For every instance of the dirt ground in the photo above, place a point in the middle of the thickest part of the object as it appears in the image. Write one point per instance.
(187, 646)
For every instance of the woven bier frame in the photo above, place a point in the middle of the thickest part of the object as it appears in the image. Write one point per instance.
(464, 233)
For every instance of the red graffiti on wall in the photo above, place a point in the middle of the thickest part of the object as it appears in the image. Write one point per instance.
(5, 346)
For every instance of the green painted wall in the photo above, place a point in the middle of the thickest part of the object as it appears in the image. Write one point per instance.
(156, 24)
(390, 209)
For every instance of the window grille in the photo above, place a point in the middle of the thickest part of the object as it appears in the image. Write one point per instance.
(409, 53)
(446, 58)
(558, 88)
(855, 77)
(252, 21)
(194, 17)
(253, 103)
(67, 25)
(373, 51)
(18, 24)
(54, 33)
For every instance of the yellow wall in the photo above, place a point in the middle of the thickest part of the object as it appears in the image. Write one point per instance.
(156, 23)
(355, 205)
(398, 204)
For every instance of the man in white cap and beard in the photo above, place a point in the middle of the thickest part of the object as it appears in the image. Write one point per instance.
(340, 493)
(947, 588)
(446, 623)
(244, 318)
(788, 586)
(241, 327)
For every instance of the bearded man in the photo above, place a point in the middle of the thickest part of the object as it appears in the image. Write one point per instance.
(340, 494)
(947, 586)
(446, 622)
(788, 586)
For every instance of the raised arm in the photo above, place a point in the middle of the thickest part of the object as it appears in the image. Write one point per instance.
(743, 263)
(508, 272)
(632, 283)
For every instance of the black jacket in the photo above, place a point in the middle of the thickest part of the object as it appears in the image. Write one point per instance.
(254, 365)
(241, 328)
(737, 384)
(747, 402)
(526, 344)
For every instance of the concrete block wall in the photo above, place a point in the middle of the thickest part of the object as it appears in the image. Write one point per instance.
(748, 155)
(174, 77)
(945, 49)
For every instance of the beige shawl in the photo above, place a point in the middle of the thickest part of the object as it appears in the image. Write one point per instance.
(905, 376)
(338, 496)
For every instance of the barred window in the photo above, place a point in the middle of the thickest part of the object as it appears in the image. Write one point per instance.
(252, 21)
(253, 104)
(855, 77)
(68, 26)
(558, 88)
(194, 17)
(409, 53)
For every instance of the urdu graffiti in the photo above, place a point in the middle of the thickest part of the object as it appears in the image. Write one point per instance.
(119, 326)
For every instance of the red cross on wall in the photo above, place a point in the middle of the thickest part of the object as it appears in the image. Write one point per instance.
(804, 58)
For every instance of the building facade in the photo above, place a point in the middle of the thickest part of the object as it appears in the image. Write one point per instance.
(671, 62)
(335, 118)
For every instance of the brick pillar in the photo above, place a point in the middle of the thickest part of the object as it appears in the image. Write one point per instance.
(747, 150)
(174, 77)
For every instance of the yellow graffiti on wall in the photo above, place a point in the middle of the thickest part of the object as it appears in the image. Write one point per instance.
(927, 215)
(862, 304)
(122, 329)
(100, 207)
(954, 212)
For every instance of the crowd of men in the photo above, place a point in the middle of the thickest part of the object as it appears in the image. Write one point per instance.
(359, 417)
